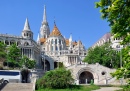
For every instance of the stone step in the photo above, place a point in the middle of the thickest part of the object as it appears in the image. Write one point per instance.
(18, 87)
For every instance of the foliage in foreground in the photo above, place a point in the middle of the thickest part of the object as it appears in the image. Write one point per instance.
(117, 13)
(103, 55)
(58, 78)
(124, 71)
(74, 88)
(2, 52)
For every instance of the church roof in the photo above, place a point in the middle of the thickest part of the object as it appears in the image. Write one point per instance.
(74, 43)
(55, 31)
(26, 26)
(42, 40)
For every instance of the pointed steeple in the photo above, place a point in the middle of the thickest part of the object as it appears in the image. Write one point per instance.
(70, 39)
(38, 39)
(26, 25)
(44, 15)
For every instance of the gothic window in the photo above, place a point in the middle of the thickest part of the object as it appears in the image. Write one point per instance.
(56, 48)
(59, 41)
(55, 41)
(60, 48)
(30, 35)
(27, 34)
(52, 41)
(26, 43)
(18, 43)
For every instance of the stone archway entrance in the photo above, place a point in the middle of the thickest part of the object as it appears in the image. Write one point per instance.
(85, 77)
(46, 65)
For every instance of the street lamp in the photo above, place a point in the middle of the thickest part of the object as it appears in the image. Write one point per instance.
(120, 49)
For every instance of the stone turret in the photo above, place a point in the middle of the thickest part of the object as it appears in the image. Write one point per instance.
(27, 33)
(44, 30)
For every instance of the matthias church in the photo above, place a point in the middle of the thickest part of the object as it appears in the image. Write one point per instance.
(50, 49)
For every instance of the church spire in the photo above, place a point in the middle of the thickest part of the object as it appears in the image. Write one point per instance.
(44, 15)
(26, 25)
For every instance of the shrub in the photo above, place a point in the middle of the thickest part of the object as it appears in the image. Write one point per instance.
(57, 79)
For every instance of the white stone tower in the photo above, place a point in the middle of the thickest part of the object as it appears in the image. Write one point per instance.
(27, 33)
(44, 30)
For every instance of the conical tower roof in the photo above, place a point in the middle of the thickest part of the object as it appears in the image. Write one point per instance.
(26, 26)
(55, 31)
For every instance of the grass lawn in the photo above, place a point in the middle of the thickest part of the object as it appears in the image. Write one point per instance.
(77, 88)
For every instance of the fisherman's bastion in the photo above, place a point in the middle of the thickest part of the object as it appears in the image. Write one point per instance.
(51, 49)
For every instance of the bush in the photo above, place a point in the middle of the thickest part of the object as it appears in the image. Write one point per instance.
(57, 79)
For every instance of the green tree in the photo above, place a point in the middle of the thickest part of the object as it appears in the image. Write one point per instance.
(58, 78)
(3, 52)
(103, 55)
(124, 71)
(117, 13)
(28, 62)
(14, 56)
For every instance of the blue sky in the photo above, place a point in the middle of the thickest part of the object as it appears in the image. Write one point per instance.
(79, 17)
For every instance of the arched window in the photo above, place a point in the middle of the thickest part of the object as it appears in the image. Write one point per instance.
(52, 41)
(6, 42)
(56, 48)
(59, 41)
(18, 43)
(60, 48)
(26, 43)
(55, 41)
(12, 42)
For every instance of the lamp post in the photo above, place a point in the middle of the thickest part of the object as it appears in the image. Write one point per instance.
(120, 48)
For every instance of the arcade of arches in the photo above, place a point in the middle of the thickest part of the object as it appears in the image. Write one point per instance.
(85, 77)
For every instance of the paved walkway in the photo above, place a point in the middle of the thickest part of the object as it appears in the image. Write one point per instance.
(18, 87)
(108, 89)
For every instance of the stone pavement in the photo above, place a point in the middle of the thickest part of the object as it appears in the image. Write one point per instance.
(108, 89)
(18, 87)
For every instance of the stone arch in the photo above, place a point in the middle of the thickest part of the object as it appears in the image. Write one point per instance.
(89, 74)
(6, 42)
(26, 43)
(46, 65)
(18, 43)
(12, 42)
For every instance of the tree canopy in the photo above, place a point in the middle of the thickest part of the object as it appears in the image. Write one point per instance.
(57, 79)
(117, 13)
(2, 52)
(14, 55)
(28, 62)
(103, 55)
